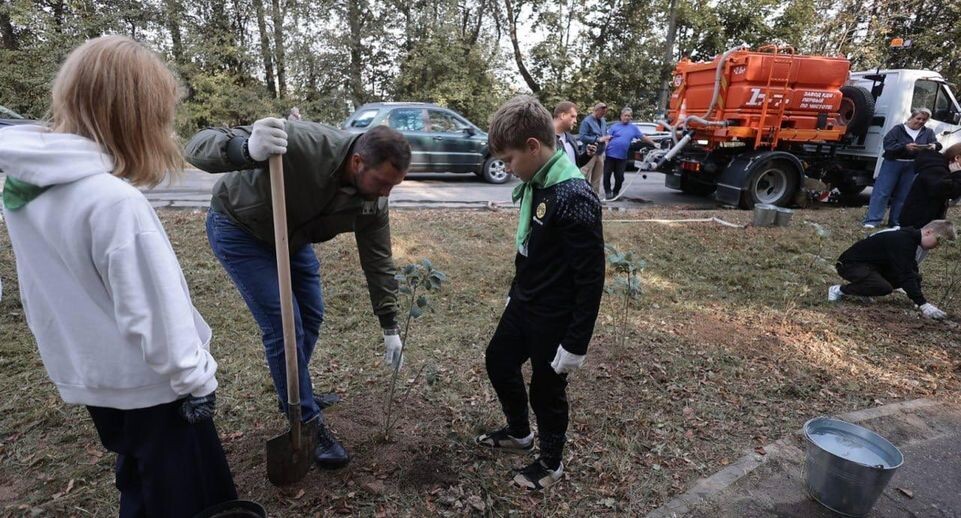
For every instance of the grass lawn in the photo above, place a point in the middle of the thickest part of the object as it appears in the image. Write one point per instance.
(732, 345)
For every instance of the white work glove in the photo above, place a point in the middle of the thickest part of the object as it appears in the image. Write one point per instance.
(267, 138)
(565, 362)
(392, 346)
(931, 311)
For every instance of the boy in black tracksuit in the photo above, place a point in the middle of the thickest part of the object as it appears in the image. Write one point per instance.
(555, 295)
(887, 260)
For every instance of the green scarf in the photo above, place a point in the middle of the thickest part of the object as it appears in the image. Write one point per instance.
(17, 193)
(557, 170)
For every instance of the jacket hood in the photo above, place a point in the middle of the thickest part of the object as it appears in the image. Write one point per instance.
(931, 160)
(40, 157)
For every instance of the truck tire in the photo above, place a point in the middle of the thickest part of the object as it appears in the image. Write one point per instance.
(692, 186)
(493, 171)
(857, 110)
(773, 182)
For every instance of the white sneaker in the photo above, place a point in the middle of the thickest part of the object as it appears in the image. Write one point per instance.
(835, 293)
(503, 440)
(538, 476)
(868, 225)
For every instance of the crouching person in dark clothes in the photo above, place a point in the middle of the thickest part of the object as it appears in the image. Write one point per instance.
(100, 284)
(556, 291)
(888, 260)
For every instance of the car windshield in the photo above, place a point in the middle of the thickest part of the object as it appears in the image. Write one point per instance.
(646, 127)
(6, 113)
(363, 119)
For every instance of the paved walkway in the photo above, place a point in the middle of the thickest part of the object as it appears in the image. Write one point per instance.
(928, 484)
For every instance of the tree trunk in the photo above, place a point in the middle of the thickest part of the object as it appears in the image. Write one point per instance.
(512, 29)
(58, 10)
(667, 66)
(172, 17)
(355, 25)
(279, 44)
(265, 52)
(8, 37)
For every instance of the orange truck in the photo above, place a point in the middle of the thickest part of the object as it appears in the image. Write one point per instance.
(751, 125)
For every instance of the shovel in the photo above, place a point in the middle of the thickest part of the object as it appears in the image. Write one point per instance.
(288, 454)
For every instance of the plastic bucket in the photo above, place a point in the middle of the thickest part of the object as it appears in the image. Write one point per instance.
(234, 509)
(764, 215)
(782, 217)
(846, 466)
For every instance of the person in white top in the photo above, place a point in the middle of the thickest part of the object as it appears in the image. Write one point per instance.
(102, 291)
(901, 146)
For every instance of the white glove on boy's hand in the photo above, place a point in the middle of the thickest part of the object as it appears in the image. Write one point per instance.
(565, 362)
(931, 311)
(268, 137)
(392, 350)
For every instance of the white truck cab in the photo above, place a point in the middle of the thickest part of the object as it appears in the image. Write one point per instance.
(896, 92)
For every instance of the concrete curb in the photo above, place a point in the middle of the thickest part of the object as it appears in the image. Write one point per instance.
(707, 488)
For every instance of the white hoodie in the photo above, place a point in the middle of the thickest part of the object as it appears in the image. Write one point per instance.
(101, 287)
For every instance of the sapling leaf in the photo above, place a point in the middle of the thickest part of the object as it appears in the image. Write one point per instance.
(427, 264)
(404, 289)
(409, 269)
(416, 312)
(422, 301)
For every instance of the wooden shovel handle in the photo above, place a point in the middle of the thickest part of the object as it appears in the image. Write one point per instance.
(279, 204)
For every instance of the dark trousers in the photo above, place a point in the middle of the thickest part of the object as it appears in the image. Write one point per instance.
(864, 279)
(166, 467)
(615, 166)
(521, 336)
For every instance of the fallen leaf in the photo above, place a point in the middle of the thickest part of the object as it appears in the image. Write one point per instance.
(476, 502)
(760, 450)
(376, 487)
(907, 492)
(299, 495)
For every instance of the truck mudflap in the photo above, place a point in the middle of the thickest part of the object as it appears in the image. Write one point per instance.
(734, 179)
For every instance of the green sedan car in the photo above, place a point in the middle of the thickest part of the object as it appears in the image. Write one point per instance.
(441, 140)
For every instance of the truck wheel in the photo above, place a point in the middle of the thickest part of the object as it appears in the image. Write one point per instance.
(857, 110)
(773, 182)
(692, 186)
(494, 171)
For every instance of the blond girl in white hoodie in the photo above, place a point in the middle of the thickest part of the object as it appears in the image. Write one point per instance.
(102, 290)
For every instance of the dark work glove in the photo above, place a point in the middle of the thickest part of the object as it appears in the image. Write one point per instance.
(196, 409)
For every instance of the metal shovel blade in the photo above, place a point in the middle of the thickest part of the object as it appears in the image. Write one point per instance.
(286, 462)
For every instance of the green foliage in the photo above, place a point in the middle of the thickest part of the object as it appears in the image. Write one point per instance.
(411, 279)
(627, 283)
(451, 52)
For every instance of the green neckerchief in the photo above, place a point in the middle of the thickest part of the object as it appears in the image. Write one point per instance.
(17, 193)
(558, 169)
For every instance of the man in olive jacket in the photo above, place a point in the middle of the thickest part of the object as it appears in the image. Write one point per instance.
(334, 182)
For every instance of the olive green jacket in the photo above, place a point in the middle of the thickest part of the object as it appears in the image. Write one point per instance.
(319, 205)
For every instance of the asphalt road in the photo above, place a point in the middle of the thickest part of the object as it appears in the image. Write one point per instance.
(192, 189)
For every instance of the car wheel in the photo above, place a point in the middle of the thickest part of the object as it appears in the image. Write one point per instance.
(494, 171)
(773, 182)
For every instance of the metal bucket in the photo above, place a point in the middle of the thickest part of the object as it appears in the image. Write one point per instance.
(847, 466)
(782, 217)
(764, 215)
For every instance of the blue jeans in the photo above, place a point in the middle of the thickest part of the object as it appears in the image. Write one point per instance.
(893, 183)
(252, 265)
